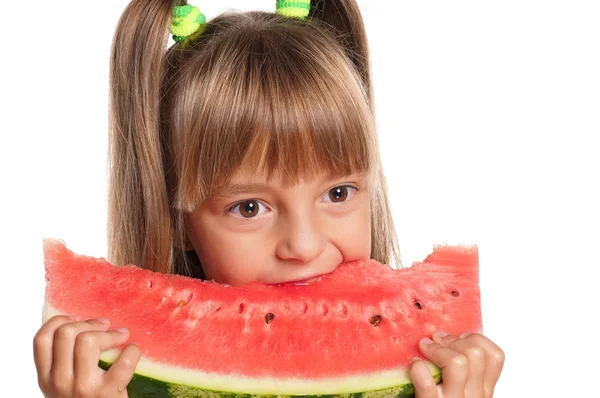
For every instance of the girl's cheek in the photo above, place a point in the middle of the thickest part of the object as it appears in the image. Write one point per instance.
(241, 257)
(353, 234)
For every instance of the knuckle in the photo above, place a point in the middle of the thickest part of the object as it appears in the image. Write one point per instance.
(498, 355)
(65, 332)
(475, 353)
(460, 361)
(475, 338)
(85, 339)
(40, 339)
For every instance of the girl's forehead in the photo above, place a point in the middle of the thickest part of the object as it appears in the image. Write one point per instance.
(252, 174)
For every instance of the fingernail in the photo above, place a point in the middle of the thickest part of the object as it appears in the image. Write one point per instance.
(440, 333)
(462, 336)
(103, 320)
(122, 330)
(426, 340)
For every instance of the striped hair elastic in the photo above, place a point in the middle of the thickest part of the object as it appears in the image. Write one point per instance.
(187, 19)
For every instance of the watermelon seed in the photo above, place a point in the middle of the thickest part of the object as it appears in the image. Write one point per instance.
(304, 307)
(149, 284)
(269, 317)
(324, 309)
(181, 303)
(375, 320)
(343, 310)
(418, 305)
(241, 308)
(454, 293)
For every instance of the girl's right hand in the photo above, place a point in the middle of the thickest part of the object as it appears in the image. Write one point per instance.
(67, 352)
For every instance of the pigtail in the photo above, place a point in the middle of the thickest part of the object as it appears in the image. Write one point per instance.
(345, 20)
(139, 227)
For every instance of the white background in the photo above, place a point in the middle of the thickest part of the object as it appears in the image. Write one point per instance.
(489, 116)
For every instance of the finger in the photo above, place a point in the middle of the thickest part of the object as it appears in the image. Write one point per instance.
(121, 371)
(64, 345)
(422, 380)
(88, 347)
(454, 366)
(443, 338)
(43, 345)
(494, 361)
(477, 365)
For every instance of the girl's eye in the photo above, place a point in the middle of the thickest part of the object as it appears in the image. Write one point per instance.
(248, 209)
(339, 194)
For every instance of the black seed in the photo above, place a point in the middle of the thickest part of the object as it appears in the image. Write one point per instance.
(454, 293)
(375, 320)
(269, 317)
(418, 305)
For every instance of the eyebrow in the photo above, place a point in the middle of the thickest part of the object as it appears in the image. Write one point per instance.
(234, 189)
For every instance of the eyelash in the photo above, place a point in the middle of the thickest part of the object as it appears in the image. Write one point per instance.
(350, 195)
(235, 206)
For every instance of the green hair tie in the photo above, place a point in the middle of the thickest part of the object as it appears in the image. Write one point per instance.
(293, 8)
(187, 19)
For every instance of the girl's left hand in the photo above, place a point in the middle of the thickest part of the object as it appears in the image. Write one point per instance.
(471, 365)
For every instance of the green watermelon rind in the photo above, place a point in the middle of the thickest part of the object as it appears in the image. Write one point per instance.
(144, 386)
(156, 379)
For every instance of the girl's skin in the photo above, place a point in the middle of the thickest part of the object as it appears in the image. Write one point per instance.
(271, 233)
(275, 234)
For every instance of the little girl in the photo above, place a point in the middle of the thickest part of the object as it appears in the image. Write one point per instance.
(245, 152)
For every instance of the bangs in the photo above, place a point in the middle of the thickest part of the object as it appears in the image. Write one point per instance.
(290, 104)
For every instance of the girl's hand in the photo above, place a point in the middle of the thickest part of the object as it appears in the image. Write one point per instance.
(471, 366)
(66, 356)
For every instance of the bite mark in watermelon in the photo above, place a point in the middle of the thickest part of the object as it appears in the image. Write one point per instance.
(351, 334)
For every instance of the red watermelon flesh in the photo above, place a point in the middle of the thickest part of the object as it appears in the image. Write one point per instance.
(364, 319)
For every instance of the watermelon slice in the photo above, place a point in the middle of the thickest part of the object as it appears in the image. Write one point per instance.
(352, 333)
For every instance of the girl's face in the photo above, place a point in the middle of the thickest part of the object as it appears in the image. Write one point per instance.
(259, 230)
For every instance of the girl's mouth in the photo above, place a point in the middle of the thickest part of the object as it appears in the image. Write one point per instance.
(301, 282)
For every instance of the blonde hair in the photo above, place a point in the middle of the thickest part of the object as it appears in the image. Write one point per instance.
(293, 97)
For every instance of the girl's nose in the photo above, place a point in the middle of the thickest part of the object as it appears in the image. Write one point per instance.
(301, 239)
